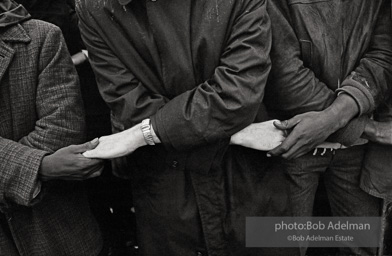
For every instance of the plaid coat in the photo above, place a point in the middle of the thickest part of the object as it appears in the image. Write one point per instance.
(40, 112)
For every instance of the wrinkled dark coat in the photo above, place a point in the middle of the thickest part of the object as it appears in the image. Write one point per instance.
(377, 166)
(40, 112)
(324, 46)
(198, 70)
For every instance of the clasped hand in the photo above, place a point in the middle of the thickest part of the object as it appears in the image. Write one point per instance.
(69, 164)
(260, 136)
(118, 144)
(306, 131)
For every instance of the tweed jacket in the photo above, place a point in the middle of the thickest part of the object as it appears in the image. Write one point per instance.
(40, 112)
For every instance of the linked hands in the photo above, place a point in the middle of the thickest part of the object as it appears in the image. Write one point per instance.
(260, 136)
(69, 164)
(118, 144)
(310, 129)
(306, 131)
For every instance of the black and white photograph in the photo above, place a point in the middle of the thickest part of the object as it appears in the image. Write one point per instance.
(195, 127)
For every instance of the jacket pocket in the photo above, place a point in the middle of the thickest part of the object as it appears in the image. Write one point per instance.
(306, 51)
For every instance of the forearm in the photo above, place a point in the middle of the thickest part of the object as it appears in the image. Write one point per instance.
(119, 144)
(378, 132)
(136, 138)
(370, 131)
(227, 101)
(343, 109)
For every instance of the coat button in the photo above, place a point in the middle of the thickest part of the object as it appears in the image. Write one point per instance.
(174, 164)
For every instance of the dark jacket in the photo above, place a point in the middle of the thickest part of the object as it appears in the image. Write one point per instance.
(40, 112)
(321, 47)
(198, 69)
(376, 176)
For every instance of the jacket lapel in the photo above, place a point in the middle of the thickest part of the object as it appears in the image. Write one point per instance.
(6, 55)
(15, 33)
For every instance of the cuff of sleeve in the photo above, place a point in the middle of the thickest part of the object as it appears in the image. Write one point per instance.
(359, 93)
(36, 184)
(160, 131)
(25, 190)
(37, 190)
(351, 133)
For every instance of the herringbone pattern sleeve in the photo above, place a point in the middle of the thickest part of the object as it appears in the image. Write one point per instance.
(20, 165)
(59, 104)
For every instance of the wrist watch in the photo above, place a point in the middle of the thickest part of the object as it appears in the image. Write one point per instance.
(146, 130)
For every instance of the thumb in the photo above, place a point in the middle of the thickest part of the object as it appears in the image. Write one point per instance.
(286, 124)
(87, 146)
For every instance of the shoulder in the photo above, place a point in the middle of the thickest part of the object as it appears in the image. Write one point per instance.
(91, 7)
(46, 38)
(38, 29)
(46, 43)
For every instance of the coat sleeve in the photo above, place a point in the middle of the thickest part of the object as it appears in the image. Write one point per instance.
(292, 88)
(19, 178)
(128, 99)
(296, 89)
(215, 109)
(60, 113)
(60, 121)
(369, 81)
(230, 99)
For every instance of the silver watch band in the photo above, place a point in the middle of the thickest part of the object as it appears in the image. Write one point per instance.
(146, 130)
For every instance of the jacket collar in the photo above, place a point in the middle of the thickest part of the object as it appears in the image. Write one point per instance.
(124, 2)
(15, 33)
(11, 13)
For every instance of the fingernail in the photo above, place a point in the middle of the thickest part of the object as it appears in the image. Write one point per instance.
(95, 140)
